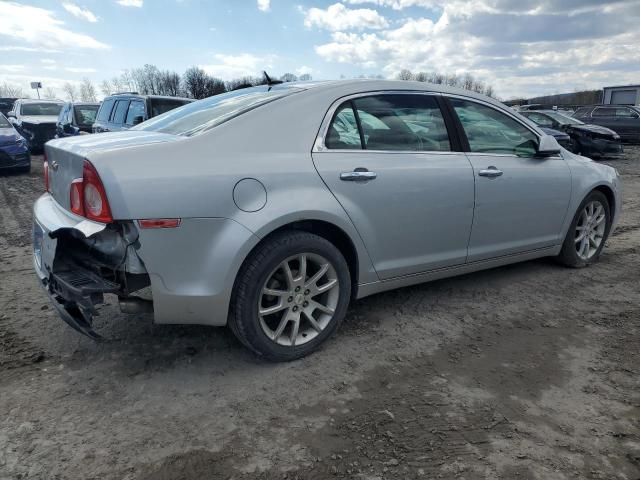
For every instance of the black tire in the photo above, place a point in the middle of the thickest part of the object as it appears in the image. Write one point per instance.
(569, 255)
(244, 319)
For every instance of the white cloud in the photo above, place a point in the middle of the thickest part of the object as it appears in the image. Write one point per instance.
(264, 5)
(39, 27)
(80, 12)
(80, 69)
(48, 60)
(304, 70)
(228, 67)
(130, 3)
(11, 68)
(17, 48)
(518, 49)
(338, 17)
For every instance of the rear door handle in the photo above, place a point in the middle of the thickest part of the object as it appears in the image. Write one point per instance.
(358, 176)
(490, 172)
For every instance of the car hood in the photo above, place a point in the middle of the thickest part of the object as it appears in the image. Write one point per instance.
(593, 129)
(552, 132)
(39, 119)
(8, 136)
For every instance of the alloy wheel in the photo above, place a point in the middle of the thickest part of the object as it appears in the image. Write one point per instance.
(298, 299)
(590, 230)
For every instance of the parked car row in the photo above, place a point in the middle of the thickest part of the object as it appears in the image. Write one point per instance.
(39, 121)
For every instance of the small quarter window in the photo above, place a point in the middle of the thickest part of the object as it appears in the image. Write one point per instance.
(343, 132)
(491, 131)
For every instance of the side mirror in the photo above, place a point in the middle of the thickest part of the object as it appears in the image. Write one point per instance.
(548, 146)
(138, 119)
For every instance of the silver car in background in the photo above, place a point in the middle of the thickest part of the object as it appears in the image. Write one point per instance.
(270, 208)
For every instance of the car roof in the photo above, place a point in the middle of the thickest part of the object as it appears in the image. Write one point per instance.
(339, 88)
(139, 95)
(35, 100)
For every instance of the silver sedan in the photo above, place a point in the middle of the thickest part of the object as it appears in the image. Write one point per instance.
(268, 209)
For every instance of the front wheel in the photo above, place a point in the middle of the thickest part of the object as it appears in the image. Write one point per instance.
(291, 294)
(588, 232)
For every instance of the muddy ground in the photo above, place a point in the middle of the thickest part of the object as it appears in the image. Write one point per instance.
(525, 372)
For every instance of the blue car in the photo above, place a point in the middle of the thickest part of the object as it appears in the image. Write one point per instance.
(14, 152)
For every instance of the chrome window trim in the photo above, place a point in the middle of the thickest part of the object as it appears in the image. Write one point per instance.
(320, 147)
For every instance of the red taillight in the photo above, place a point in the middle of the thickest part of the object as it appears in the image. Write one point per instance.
(87, 196)
(75, 197)
(46, 173)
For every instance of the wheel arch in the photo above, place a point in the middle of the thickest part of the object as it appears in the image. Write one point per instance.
(327, 230)
(607, 191)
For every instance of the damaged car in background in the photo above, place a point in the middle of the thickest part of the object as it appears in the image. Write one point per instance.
(35, 120)
(268, 209)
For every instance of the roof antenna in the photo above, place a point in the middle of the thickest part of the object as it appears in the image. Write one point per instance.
(269, 80)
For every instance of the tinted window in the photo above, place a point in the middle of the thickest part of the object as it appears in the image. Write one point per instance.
(161, 105)
(4, 123)
(604, 112)
(491, 131)
(120, 111)
(343, 132)
(136, 109)
(200, 116)
(105, 110)
(41, 109)
(540, 119)
(624, 112)
(402, 122)
(86, 114)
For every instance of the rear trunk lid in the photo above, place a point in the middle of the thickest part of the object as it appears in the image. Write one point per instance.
(66, 156)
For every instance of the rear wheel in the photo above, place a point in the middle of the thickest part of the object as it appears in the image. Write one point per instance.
(588, 232)
(291, 294)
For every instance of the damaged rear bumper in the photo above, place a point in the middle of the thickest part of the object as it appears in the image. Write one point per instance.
(78, 261)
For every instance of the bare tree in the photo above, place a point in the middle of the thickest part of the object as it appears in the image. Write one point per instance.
(169, 83)
(127, 82)
(105, 86)
(421, 77)
(70, 91)
(289, 77)
(405, 75)
(12, 91)
(49, 93)
(195, 82)
(305, 77)
(87, 91)
(116, 85)
(214, 86)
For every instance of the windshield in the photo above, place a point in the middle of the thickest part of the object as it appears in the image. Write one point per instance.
(86, 114)
(563, 119)
(4, 123)
(41, 109)
(200, 116)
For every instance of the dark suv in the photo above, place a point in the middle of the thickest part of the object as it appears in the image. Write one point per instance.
(124, 110)
(622, 119)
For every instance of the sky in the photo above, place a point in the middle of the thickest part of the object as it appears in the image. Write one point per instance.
(522, 48)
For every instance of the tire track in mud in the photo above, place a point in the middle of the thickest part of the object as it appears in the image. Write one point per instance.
(18, 192)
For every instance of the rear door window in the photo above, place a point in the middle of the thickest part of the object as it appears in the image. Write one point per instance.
(405, 122)
(120, 111)
(136, 109)
(604, 112)
(624, 112)
(105, 110)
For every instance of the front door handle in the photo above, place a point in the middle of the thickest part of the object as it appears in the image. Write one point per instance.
(358, 175)
(491, 172)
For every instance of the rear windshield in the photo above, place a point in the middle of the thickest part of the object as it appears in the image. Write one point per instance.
(200, 116)
(162, 105)
(86, 114)
(41, 109)
(4, 123)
